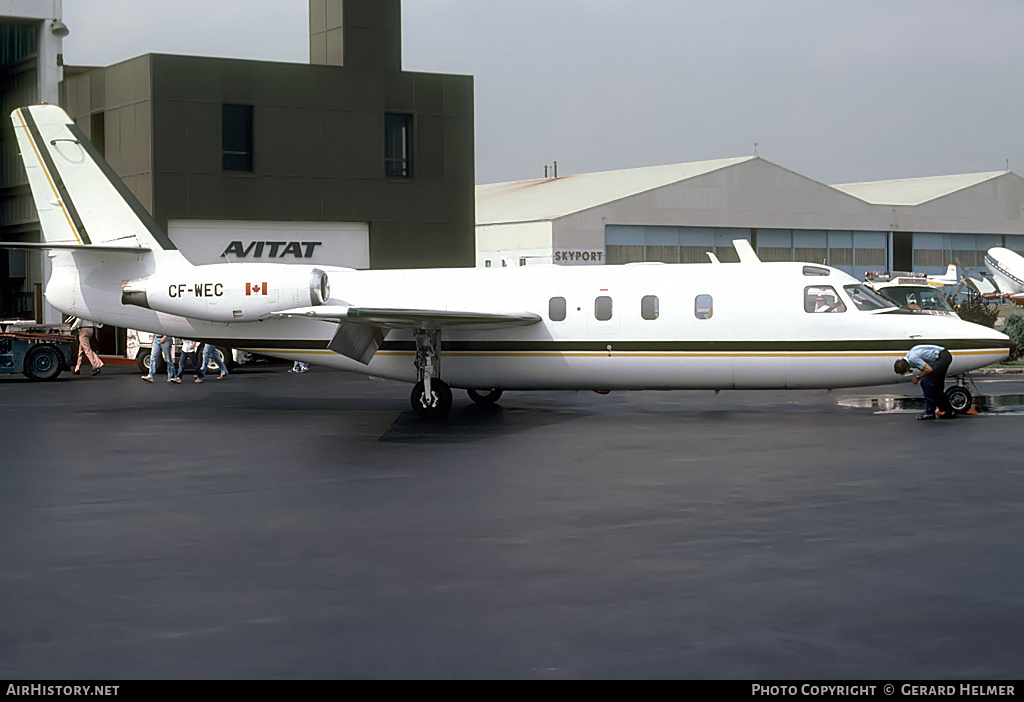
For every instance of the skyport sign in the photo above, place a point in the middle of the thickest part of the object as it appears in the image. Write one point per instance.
(578, 256)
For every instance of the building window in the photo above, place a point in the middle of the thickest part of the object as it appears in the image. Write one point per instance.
(811, 254)
(556, 309)
(398, 145)
(236, 137)
(618, 254)
(840, 257)
(703, 307)
(603, 308)
(649, 307)
(927, 257)
(97, 124)
(869, 257)
(774, 253)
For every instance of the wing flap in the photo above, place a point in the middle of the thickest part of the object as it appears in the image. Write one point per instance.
(357, 341)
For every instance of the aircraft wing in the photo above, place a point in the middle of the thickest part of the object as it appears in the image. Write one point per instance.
(392, 318)
(982, 286)
(361, 330)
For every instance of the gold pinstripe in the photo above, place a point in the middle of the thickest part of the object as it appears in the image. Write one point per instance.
(53, 187)
(631, 354)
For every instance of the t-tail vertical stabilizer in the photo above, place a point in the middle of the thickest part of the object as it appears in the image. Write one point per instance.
(82, 203)
(96, 231)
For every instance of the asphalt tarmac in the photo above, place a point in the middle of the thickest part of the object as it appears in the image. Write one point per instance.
(279, 525)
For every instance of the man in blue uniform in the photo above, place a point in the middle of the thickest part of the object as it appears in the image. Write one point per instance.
(932, 362)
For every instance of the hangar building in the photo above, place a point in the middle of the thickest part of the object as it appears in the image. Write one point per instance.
(677, 213)
(31, 68)
(348, 160)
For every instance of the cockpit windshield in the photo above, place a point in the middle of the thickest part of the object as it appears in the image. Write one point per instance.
(822, 298)
(866, 299)
(917, 298)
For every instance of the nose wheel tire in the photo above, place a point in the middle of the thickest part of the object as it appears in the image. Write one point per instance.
(488, 397)
(434, 406)
(959, 398)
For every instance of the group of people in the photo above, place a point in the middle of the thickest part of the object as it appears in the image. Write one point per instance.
(162, 344)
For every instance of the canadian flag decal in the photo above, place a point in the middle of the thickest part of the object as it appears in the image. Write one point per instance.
(255, 288)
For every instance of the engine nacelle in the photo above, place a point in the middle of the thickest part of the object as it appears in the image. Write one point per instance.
(229, 292)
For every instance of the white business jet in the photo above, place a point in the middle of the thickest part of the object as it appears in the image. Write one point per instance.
(1007, 270)
(715, 326)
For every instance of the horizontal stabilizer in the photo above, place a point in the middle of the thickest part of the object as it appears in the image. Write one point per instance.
(412, 319)
(134, 250)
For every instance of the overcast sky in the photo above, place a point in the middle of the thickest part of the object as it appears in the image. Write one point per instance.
(837, 90)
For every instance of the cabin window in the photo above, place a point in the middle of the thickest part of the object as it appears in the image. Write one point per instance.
(649, 307)
(603, 308)
(703, 307)
(556, 309)
(822, 298)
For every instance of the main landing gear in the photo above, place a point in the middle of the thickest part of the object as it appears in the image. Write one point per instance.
(484, 398)
(431, 397)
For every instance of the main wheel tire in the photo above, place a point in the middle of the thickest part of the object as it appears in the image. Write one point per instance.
(42, 363)
(224, 355)
(484, 398)
(959, 398)
(142, 360)
(435, 406)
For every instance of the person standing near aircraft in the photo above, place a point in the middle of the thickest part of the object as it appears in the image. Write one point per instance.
(161, 346)
(188, 354)
(86, 329)
(210, 354)
(932, 362)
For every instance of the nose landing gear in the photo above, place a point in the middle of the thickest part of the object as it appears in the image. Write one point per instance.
(959, 397)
